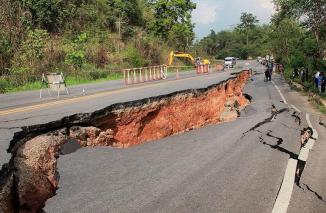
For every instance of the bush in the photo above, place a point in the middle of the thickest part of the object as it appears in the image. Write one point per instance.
(31, 53)
(76, 54)
(94, 75)
(133, 57)
(101, 58)
(3, 86)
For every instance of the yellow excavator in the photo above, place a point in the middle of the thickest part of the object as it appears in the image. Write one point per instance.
(196, 61)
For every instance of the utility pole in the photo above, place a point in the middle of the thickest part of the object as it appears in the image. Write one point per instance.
(119, 23)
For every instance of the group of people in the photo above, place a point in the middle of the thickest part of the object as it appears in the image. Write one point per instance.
(319, 77)
(270, 67)
(269, 71)
(320, 81)
(302, 73)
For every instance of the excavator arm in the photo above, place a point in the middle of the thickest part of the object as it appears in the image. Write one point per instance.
(173, 54)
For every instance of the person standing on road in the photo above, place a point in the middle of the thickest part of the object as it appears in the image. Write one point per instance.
(302, 75)
(295, 73)
(316, 78)
(322, 82)
(281, 69)
(270, 70)
(319, 82)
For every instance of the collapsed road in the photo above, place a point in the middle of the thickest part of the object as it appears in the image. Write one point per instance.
(236, 166)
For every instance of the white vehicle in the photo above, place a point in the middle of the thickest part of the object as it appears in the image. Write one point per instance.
(230, 62)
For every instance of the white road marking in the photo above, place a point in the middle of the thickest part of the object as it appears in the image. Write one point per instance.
(295, 108)
(279, 91)
(284, 196)
(308, 120)
(304, 153)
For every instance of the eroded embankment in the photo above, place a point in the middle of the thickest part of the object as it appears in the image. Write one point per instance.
(31, 177)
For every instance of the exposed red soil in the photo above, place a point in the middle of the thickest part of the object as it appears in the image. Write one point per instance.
(34, 178)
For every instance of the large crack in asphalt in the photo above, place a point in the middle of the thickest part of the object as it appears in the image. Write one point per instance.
(305, 134)
(318, 196)
(265, 121)
(304, 138)
(31, 176)
(297, 117)
(278, 147)
(322, 122)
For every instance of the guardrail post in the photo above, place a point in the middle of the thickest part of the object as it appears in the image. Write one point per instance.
(154, 73)
(140, 75)
(144, 74)
(135, 76)
(146, 77)
(124, 76)
(160, 74)
(166, 71)
(128, 76)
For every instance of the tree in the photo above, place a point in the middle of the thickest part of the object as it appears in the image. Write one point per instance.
(248, 22)
(76, 52)
(312, 12)
(311, 15)
(285, 38)
(31, 52)
(172, 20)
(12, 31)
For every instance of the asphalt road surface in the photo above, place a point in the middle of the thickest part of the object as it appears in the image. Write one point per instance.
(233, 167)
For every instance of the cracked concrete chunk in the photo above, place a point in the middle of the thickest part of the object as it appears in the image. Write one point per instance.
(227, 116)
(35, 163)
(7, 195)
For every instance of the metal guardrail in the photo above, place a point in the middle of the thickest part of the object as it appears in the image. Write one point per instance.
(144, 74)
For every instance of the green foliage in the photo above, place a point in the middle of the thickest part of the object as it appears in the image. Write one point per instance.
(172, 21)
(247, 23)
(31, 52)
(6, 52)
(133, 57)
(35, 43)
(80, 35)
(76, 58)
(95, 75)
(76, 54)
(47, 14)
(3, 86)
(286, 37)
(233, 43)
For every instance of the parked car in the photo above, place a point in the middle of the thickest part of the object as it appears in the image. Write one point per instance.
(230, 62)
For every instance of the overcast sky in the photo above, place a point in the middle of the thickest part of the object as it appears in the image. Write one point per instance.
(225, 14)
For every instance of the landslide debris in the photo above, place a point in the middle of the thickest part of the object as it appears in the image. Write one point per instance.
(31, 177)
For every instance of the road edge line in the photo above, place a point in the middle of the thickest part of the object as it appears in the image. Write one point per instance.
(284, 196)
(295, 108)
(279, 91)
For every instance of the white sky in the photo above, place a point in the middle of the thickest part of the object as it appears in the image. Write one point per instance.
(225, 14)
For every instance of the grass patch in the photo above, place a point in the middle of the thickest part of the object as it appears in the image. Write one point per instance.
(25, 87)
(75, 79)
(92, 78)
